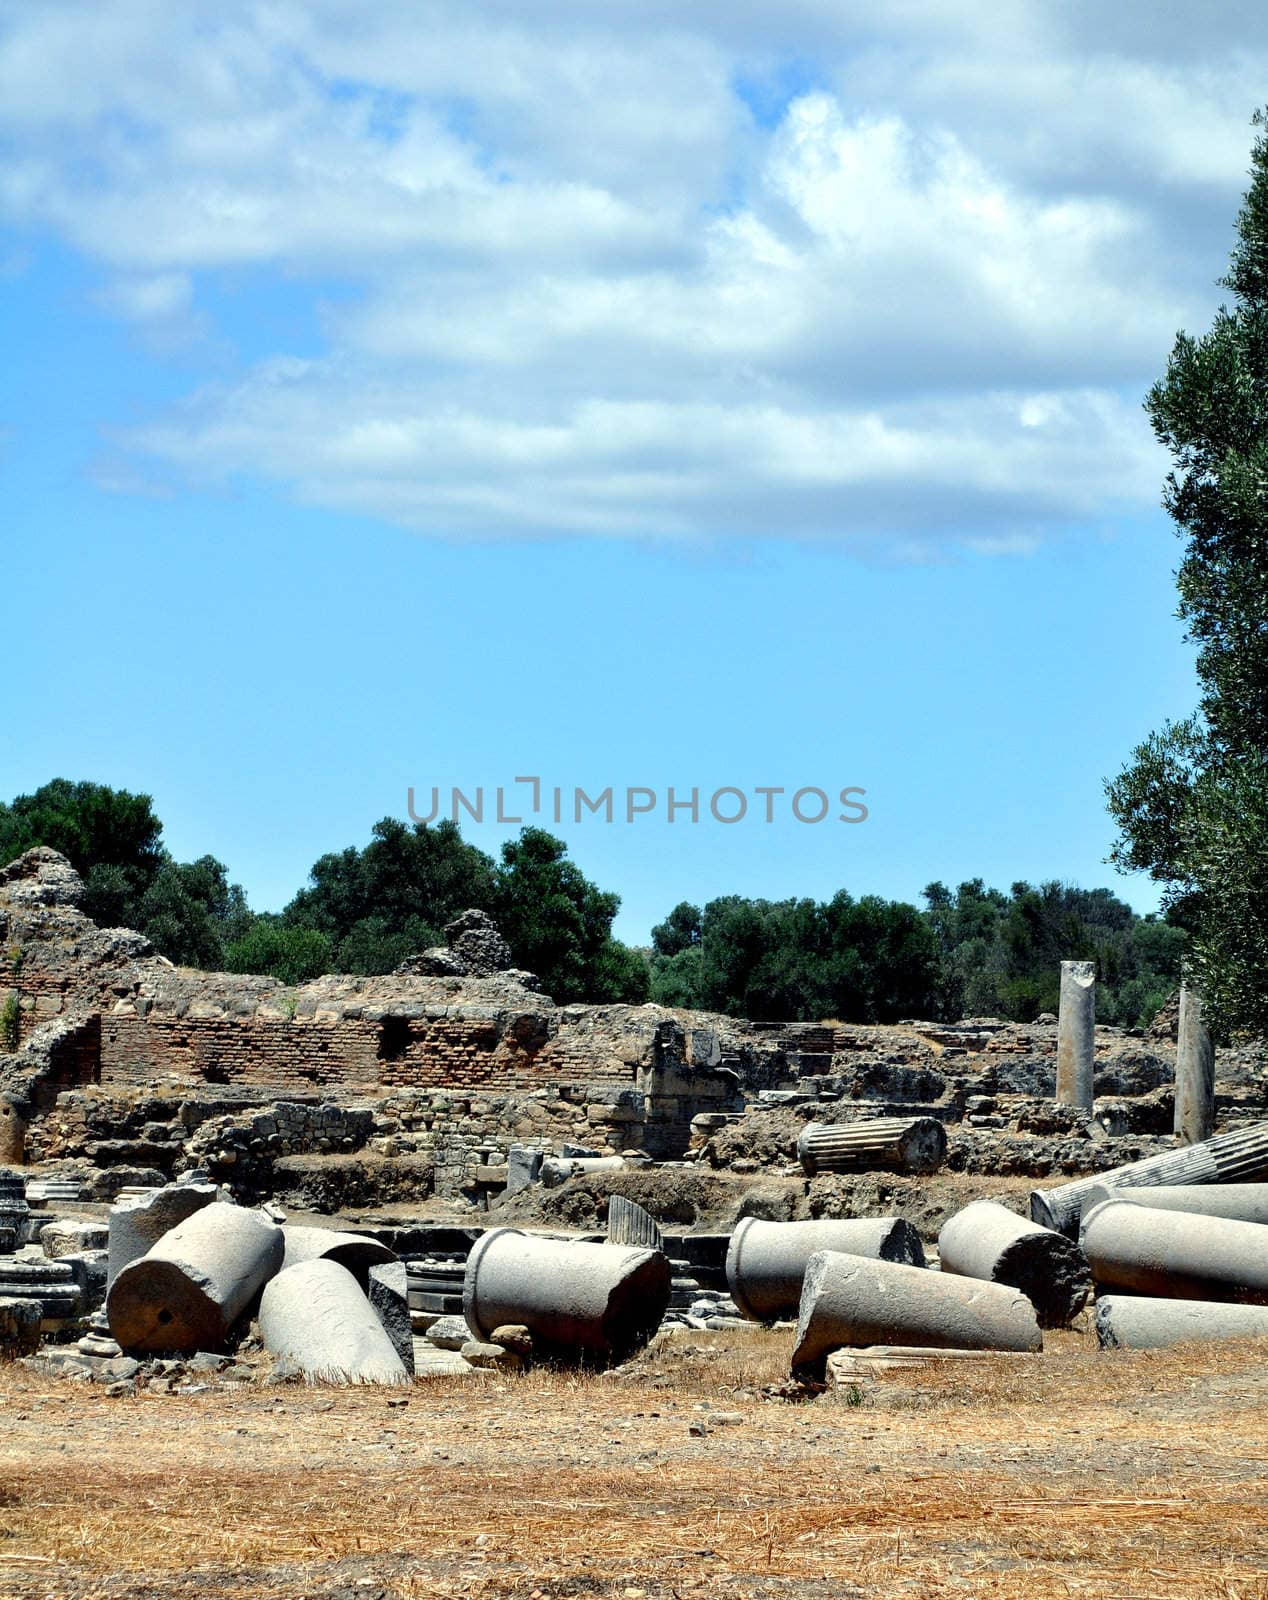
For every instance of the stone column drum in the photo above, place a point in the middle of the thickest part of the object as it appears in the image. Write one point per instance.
(1239, 1202)
(896, 1144)
(1137, 1322)
(766, 1261)
(140, 1221)
(988, 1241)
(354, 1251)
(849, 1301)
(1195, 1071)
(1175, 1254)
(1076, 1034)
(187, 1291)
(1227, 1158)
(580, 1301)
(316, 1314)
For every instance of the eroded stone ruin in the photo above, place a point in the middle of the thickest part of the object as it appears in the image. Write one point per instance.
(453, 1098)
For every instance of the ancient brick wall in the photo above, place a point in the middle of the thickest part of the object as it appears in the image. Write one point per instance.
(281, 1056)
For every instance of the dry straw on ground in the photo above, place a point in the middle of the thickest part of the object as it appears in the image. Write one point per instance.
(1079, 1474)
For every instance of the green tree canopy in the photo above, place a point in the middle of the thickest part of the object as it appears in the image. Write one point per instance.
(1191, 802)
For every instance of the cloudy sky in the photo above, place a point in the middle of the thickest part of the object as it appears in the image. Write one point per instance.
(713, 394)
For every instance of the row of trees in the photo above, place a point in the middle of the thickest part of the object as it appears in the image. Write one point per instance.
(972, 952)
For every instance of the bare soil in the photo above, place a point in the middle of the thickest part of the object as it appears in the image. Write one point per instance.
(1077, 1473)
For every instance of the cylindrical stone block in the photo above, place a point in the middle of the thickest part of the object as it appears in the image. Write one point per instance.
(766, 1261)
(1239, 1202)
(1227, 1158)
(629, 1223)
(1138, 1322)
(12, 1134)
(988, 1241)
(1195, 1072)
(589, 1302)
(140, 1221)
(316, 1314)
(1174, 1254)
(1076, 1034)
(187, 1291)
(894, 1144)
(847, 1300)
(351, 1250)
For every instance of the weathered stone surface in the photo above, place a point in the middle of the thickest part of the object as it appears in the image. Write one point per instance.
(354, 1251)
(1138, 1322)
(195, 1281)
(1175, 1254)
(136, 1224)
(766, 1261)
(986, 1240)
(1076, 1034)
(579, 1301)
(851, 1301)
(64, 1238)
(898, 1144)
(19, 1326)
(1195, 1071)
(387, 1289)
(448, 1333)
(316, 1315)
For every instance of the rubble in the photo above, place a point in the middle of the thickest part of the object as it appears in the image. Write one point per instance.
(766, 1261)
(990, 1242)
(848, 1300)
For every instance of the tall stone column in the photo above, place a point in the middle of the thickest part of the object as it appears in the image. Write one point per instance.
(1076, 1034)
(1195, 1071)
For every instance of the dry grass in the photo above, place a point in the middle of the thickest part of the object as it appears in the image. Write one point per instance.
(1078, 1474)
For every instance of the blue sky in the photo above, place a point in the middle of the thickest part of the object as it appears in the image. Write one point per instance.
(622, 400)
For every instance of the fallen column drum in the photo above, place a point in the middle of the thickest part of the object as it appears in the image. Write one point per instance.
(352, 1250)
(1228, 1158)
(1138, 1322)
(766, 1261)
(1175, 1254)
(988, 1241)
(582, 1301)
(896, 1144)
(847, 1300)
(316, 1314)
(1239, 1202)
(187, 1291)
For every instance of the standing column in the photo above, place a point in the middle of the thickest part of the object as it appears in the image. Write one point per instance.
(1195, 1071)
(1076, 1034)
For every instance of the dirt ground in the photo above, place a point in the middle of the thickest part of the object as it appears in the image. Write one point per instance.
(1076, 1473)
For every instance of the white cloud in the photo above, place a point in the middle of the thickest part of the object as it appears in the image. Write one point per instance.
(917, 303)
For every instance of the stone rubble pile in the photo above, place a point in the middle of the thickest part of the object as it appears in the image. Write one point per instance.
(185, 1290)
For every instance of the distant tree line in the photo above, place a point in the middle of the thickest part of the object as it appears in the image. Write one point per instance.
(972, 952)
